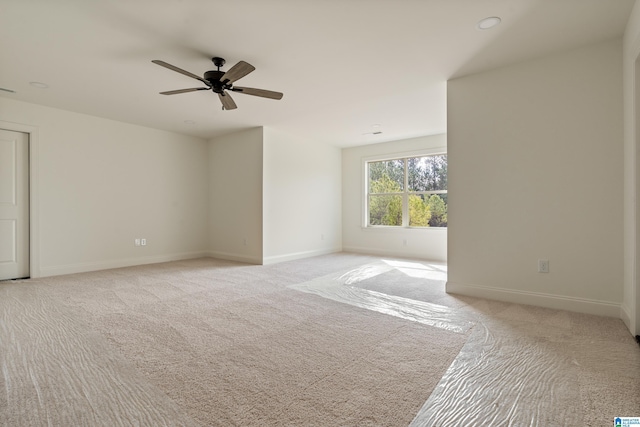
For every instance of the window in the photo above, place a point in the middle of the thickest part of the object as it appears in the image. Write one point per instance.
(407, 192)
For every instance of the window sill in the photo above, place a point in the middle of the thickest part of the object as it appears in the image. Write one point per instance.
(393, 228)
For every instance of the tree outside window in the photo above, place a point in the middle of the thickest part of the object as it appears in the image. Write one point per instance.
(408, 192)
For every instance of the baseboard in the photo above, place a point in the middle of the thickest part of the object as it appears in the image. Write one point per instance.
(59, 270)
(391, 253)
(235, 257)
(298, 255)
(560, 302)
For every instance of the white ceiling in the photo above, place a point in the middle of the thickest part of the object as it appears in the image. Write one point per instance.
(343, 65)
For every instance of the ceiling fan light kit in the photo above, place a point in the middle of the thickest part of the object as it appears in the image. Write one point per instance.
(221, 82)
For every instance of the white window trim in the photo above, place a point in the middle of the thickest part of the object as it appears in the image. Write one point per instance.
(365, 179)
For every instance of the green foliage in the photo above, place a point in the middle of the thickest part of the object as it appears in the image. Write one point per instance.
(419, 212)
(389, 171)
(386, 182)
(438, 210)
(393, 215)
(427, 173)
(385, 209)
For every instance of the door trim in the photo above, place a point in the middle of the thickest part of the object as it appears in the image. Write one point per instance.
(34, 224)
(635, 135)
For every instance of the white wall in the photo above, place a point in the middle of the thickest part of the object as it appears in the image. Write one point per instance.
(302, 198)
(631, 297)
(101, 184)
(429, 244)
(235, 196)
(535, 171)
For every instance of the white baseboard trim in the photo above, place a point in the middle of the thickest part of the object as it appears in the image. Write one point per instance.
(235, 257)
(59, 270)
(560, 302)
(298, 255)
(391, 253)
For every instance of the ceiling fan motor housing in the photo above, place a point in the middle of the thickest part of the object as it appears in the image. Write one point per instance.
(213, 77)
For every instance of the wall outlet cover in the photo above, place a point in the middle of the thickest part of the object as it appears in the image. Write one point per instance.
(543, 266)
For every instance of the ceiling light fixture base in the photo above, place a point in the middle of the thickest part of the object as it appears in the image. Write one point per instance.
(487, 23)
(218, 62)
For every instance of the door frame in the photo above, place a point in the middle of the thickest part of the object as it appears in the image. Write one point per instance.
(34, 229)
(635, 135)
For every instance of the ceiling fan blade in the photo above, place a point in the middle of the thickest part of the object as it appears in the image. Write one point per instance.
(258, 92)
(179, 70)
(227, 101)
(174, 92)
(237, 72)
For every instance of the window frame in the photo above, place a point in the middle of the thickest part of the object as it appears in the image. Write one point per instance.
(404, 194)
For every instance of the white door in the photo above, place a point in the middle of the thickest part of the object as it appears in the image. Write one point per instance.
(14, 205)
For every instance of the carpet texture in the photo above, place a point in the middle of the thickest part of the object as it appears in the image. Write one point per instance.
(210, 342)
(336, 340)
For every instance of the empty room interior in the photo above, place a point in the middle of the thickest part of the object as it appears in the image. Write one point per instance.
(312, 213)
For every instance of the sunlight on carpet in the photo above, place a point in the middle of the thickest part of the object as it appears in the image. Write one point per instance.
(342, 287)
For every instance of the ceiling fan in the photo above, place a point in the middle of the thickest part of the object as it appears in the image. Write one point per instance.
(220, 82)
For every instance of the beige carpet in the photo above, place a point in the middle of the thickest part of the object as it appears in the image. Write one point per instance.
(337, 340)
(209, 342)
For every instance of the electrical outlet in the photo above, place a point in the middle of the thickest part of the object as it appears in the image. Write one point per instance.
(543, 266)
(136, 242)
(143, 242)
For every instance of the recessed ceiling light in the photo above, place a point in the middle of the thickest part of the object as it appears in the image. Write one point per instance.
(39, 85)
(489, 22)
